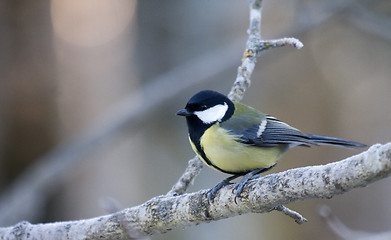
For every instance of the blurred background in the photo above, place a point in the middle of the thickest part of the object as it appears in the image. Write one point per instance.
(89, 91)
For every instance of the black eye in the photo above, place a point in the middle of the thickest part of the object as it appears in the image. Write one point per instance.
(204, 107)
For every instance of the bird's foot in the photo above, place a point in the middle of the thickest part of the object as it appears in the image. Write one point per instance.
(239, 186)
(220, 185)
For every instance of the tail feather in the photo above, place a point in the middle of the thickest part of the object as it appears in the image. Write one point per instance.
(316, 139)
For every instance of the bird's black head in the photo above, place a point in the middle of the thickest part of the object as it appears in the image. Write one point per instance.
(207, 107)
(203, 110)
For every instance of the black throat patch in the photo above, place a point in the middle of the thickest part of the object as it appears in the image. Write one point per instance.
(196, 129)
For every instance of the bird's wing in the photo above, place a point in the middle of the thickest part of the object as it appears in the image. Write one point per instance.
(277, 132)
(256, 128)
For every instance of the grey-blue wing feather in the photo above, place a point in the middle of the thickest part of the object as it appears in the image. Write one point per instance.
(264, 134)
(276, 132)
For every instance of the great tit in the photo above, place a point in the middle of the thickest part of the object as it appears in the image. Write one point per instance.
(237, 139)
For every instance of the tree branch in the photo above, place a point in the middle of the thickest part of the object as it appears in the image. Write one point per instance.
(163, 213)
(193, 169)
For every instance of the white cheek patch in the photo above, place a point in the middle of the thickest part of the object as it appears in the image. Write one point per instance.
(212, 114)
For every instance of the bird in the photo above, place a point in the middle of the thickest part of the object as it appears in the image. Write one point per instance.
(239, 140)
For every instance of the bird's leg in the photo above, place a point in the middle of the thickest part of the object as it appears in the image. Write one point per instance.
(225, 182)
(251, 175)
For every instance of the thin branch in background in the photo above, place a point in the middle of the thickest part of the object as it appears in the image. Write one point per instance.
(246, 69)
(357, 12)
(254, 47)
(308, 16)
(342, 231)
(372, 22)
(194, 167)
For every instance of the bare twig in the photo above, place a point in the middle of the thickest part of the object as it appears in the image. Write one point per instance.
(264, 45)
(162, 213)
(295, 215)
(193, 169)
(370, 21)
(246, 69)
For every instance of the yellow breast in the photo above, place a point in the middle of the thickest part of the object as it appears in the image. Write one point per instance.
(226, 153)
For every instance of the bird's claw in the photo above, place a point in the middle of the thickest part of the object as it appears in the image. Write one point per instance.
(212, 192)
(240, 186)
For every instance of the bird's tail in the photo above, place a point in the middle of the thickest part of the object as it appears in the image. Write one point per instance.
(316, 139)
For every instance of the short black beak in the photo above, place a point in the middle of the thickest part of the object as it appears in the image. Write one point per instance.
(184, 112)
